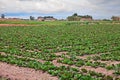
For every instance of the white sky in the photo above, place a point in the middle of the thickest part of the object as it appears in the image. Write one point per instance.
(97, 8)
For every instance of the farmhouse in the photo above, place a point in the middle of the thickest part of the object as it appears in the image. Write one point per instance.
(40, 18)
(76, 17)
(14, 19)
(85, 18)
(116, 18)
(46, 18)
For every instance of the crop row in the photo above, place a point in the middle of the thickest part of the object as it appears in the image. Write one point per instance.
(113, 55)
(63, 72)
(43, 42)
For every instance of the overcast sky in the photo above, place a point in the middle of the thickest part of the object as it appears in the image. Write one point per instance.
(99, 9)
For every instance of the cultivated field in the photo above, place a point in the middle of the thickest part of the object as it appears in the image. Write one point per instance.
(60, 50)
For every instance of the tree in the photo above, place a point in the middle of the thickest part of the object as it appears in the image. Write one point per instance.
(2, 16)
(75, 14)
(32, 18)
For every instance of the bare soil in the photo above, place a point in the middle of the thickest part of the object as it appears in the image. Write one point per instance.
(22, 71)
(60, 53)
(13, 72)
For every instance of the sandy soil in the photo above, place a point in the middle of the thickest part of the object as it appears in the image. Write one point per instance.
(13, 72)
(60, 53)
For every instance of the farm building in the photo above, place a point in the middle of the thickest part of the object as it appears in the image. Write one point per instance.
(14, 19)
(46, 18)
(76, 17)
(40, 18)
(116, 18)
(85, 18)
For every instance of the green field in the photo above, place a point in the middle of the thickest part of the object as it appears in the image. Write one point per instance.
(68, 43)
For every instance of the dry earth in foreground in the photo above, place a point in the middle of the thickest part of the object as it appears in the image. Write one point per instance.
(13, 72)
(89, 68)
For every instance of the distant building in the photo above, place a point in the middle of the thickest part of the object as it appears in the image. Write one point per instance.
(76, 17)
(40, 18)
(86, 19)
(14, 18)
(46, 18)
(50, 19)
(116, 18)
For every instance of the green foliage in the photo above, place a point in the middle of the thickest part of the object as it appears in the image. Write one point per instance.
(3, 16)
(32, 18)
(44, 41)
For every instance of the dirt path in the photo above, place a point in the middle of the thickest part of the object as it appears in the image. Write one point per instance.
(13, 72)
(12, 25)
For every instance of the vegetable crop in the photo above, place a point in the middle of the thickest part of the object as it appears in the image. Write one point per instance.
(25, 46)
